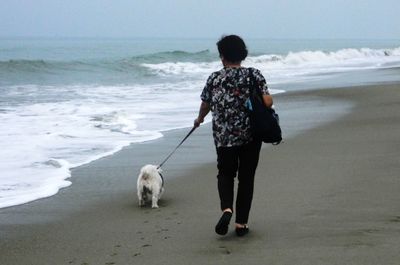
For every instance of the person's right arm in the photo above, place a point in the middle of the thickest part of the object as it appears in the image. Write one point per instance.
(203, 111)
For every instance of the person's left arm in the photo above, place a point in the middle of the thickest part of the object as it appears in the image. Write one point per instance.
(268, 101)
(262, 84)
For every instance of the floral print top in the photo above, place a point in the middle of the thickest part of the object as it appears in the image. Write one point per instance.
(227, 91)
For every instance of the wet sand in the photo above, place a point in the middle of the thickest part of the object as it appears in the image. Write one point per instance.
(328, 195)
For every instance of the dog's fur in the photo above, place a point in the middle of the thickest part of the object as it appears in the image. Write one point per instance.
(150, 185)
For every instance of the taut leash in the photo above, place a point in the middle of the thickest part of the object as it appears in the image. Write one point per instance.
(165, 160)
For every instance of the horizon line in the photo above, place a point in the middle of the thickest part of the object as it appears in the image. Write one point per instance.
(184, 38)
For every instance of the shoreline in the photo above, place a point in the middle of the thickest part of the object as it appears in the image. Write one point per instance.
(333, 211)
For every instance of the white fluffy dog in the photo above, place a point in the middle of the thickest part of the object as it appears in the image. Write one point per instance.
(150, 184)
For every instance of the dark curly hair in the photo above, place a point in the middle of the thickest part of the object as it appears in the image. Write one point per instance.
(232, 48)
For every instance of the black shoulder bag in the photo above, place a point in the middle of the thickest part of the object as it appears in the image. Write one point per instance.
(264, 122)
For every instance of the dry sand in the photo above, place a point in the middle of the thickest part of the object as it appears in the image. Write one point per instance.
(328, 195)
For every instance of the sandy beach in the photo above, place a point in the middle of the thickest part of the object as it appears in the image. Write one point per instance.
(328, 195)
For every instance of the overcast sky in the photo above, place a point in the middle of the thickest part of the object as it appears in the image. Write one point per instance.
(371, 19)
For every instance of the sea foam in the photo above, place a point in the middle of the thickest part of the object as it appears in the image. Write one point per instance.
(285, 68)
(42, 141)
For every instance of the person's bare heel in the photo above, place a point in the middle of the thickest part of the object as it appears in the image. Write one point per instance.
(242, 230)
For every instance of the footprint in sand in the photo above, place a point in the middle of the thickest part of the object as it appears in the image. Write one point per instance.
(146, 245)
(162, 230)
(225, 250)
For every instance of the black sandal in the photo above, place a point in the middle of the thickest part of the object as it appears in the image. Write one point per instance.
(241, 231)
(223, 224)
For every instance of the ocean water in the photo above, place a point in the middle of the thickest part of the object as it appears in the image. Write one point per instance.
(66, 102)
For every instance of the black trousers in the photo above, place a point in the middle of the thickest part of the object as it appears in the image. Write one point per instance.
(240, 161)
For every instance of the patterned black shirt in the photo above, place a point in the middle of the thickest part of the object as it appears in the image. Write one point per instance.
(227, 91)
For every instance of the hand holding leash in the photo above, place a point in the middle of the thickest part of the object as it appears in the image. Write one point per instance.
(197, 122)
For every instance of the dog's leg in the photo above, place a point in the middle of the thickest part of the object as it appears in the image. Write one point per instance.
(140, 197)
(154, 200)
